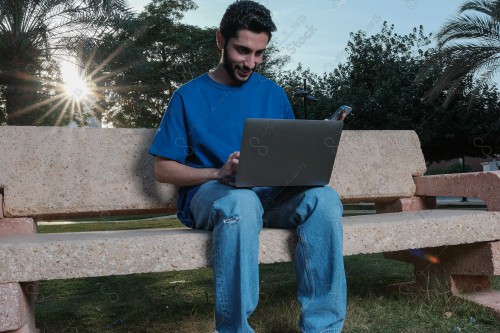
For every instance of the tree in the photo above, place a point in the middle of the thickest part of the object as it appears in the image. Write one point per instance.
(378, 81)
(316, 86)
(468, 46)
(33, 35)
(137, 68)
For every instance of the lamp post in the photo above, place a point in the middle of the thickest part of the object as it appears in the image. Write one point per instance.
(464, 199)
(306, 97)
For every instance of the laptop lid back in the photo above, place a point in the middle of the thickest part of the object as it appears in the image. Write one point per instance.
(287, 152)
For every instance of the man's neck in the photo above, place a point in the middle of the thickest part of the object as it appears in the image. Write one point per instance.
(220, 75)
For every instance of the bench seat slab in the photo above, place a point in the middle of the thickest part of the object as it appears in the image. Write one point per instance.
(85, 254)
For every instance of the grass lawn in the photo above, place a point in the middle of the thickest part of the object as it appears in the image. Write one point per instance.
(183, 301)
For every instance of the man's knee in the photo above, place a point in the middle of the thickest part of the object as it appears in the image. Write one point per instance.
(325, 199)
(238, 204)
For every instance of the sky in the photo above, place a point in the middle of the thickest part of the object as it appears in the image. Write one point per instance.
(315, 32)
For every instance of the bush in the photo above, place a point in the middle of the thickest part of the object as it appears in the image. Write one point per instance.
(452, 168)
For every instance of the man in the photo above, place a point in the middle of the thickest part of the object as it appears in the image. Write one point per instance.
(197, 145)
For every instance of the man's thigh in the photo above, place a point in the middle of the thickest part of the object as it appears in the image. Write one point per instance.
(210, 193)
(280, 205)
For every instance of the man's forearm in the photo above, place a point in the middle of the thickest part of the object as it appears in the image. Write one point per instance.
(172, 172)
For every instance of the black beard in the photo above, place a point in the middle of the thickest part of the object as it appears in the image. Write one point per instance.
(227, 66)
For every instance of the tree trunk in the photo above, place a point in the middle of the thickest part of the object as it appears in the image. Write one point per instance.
(20, 97)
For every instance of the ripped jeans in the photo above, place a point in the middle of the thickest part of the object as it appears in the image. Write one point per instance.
(236, 216)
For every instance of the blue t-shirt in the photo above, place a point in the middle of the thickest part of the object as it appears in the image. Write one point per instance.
(204, 121)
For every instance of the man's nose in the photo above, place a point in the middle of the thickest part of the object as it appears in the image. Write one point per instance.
(250, 61)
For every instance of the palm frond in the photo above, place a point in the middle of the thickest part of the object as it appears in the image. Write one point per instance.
(482, 6)
(468, 49)
(469, 26)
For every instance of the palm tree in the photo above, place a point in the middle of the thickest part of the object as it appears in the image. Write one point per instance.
(36, 33)
(468, 49)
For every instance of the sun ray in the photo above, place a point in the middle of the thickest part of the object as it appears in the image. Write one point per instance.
(61, 115)
(80, 113)
(37, 105)
(50, 111)
(108, 59)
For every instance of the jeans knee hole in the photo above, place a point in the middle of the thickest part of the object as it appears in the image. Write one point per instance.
(231, 220)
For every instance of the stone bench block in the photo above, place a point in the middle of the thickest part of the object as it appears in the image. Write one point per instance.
(483, 185)
(72, 255)
(17, 226)
(85, 170)
(88, 171)
(466, 259)
(13, 308)
(489, 299)
(376, 166)
(17, 300)
(17, 307)
(474, 259)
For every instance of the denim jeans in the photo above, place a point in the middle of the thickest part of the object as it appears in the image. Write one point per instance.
(236, 216)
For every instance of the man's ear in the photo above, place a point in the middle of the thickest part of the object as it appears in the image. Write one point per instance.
(220, 40)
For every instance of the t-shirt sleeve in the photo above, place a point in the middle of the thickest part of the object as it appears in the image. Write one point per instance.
(171, 139)
(287, 108)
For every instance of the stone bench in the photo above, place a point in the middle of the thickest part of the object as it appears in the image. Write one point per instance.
(58, 173)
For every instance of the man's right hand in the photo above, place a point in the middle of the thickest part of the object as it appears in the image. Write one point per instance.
(230, 168)
(172, 172)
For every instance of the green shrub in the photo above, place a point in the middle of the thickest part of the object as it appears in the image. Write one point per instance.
(452, 168)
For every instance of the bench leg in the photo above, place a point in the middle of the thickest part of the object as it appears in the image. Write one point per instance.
(17, 300)
(406, 205)
(17, 305)
(462, 270)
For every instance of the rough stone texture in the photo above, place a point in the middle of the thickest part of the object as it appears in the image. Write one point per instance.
(490, 299)
(406, 205)
(377, 165)
(50, 172)
(1, 205)
(474, 259)
(465, 259)
(68, 255)
(17, 304)
(17, 301)
(13, 307)
(469, 283)
(17, 226)
(410, 230)
(462, 270)
(483, 185)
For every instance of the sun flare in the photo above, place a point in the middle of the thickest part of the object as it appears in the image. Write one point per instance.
(75, 85)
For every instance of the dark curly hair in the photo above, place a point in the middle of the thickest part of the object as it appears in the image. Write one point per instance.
(246, 14)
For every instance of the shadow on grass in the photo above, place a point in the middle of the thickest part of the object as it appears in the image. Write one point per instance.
(183, 302)
(133, 303)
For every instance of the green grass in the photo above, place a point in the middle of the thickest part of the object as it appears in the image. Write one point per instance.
(183, 301)
(110, 225)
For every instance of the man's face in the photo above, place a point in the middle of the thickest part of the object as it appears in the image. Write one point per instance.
(242, 54)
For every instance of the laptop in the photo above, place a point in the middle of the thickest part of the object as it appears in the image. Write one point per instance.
(287, 152)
